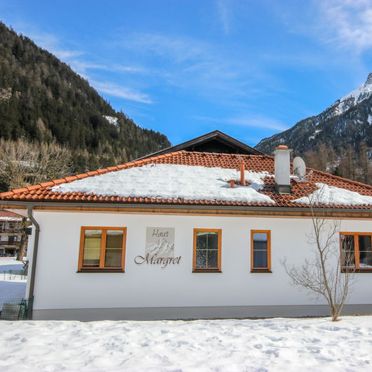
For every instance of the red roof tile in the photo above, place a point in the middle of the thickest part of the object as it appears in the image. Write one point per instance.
(4, 214)
(258, 163)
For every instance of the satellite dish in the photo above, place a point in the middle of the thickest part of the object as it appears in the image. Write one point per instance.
(299, 167)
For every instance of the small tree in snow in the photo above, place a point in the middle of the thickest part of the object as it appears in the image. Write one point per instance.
(329, 272)
(24, 239)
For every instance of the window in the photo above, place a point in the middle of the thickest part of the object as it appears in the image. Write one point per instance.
(260, 251)
(207, 250)
(102, 249)
(356, 251)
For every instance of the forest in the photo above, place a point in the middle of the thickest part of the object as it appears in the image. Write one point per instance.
(43, 101)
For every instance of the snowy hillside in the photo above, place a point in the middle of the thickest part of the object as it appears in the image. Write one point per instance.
(352, 99)
(347, 122)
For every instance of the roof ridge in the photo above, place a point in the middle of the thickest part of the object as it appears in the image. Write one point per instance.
(206, 137)
(6, 213)
(223, 154)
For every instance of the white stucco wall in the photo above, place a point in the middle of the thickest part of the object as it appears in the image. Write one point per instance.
(59, 286)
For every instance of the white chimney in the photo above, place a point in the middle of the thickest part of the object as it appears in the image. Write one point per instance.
(282, 169)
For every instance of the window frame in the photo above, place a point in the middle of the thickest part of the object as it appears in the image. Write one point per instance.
(261, 269)
(101, 268)
(356, 267)
(219, 251)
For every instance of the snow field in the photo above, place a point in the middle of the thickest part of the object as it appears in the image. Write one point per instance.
(202, 345)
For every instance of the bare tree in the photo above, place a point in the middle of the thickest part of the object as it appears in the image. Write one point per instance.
(24, 239)
(329, 272)
(23, 163)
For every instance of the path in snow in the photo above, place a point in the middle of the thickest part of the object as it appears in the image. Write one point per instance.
(203, 345)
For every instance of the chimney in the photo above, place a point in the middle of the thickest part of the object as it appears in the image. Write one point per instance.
(242, 175)
(282, 169)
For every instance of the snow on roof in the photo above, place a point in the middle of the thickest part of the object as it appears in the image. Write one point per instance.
(331, 195)
(166, 181)
(174, 179)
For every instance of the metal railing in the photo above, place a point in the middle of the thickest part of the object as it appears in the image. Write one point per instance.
(13, 230)
(14, 308)
(10, 243)
(14, 274)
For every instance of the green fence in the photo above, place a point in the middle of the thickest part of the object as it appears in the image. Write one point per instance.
(13, 306)
(14, 309)
(14, 274)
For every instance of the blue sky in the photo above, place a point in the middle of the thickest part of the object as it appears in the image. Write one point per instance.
(186, 67)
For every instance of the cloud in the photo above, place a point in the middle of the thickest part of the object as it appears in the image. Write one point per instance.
(208, 70)
(346, 23)
(77, 58)
(180, 49)
(49, 42)
(257, 121)
(78, 61)
(224, 12)
(121, 92)
(128, 69)
(84, 66)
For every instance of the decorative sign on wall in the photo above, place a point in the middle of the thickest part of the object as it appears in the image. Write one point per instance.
(159, 248)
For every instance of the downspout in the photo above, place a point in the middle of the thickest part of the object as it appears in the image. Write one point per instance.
(33, 262)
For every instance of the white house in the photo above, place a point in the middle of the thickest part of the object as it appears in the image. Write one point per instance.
(188, 233)
(10, 233)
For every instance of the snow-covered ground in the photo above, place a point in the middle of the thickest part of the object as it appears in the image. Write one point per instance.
(10, 263)
(203, 345)
(12, 287)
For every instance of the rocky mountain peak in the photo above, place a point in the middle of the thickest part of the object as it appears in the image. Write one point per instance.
(369, 79)
(348, 122)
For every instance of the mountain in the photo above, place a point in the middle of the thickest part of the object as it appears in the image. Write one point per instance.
(42, 101)
(347, 123)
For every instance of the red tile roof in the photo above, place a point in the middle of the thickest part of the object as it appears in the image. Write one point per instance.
(43, 192)
(9, 215)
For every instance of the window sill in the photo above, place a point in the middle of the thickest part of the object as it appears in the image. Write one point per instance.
(84, 270)
(357, 271)
(253, 271)
(207, 271)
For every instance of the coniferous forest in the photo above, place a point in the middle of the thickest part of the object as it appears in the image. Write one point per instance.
(42, 101)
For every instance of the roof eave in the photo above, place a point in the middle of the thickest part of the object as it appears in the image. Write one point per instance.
(188, 208)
